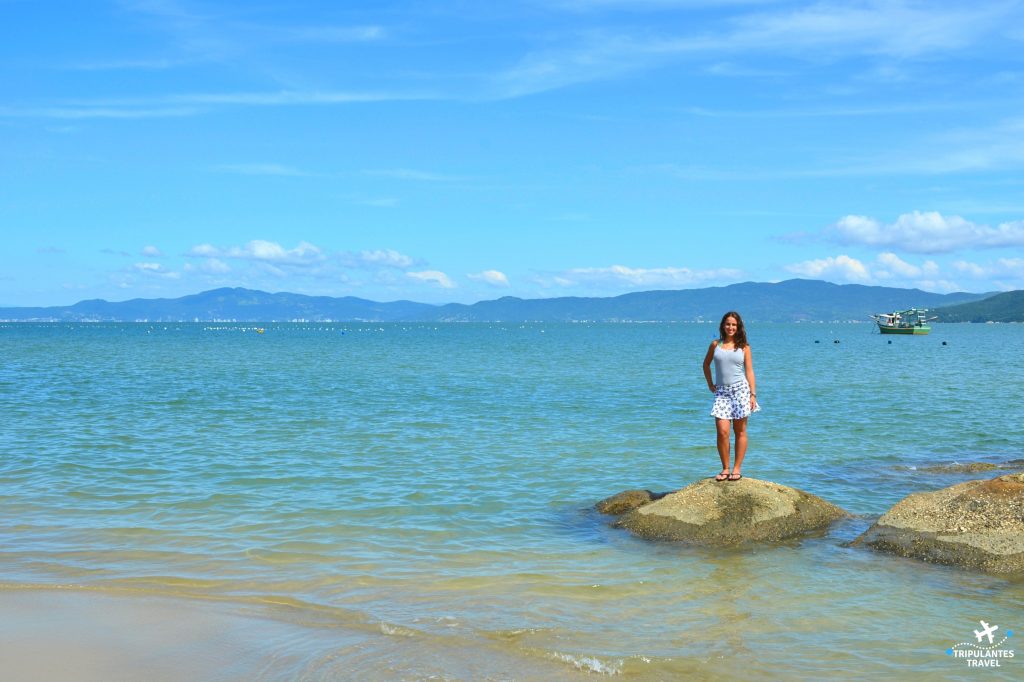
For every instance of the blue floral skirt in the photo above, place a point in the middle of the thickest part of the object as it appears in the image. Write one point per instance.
(733, 401)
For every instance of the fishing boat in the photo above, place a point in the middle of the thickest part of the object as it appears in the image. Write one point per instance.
(909, 321)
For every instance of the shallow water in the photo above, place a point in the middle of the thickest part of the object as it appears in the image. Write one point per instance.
(425, 491)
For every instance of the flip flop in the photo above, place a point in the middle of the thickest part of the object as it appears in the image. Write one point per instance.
(722, 477)
(735, 477)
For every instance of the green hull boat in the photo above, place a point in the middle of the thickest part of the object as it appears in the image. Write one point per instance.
(912, 321)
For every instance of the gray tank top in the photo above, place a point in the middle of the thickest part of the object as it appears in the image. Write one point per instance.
(729, 366)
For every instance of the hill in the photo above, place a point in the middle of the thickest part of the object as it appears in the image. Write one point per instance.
(1004, 307)
(794, 300)
(225, 304)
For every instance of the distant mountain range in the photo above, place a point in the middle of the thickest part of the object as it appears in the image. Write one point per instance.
(794, 300)
(1004, 307)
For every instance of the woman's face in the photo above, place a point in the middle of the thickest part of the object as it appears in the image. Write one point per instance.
(730, 326)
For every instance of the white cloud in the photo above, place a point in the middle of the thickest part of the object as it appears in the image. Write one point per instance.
(619, 275)
(262, 252)
(839, 267)
(156, 269)
(388, 258)
(1004, 268)
(893, 266)
(272, 252)
(204, 251)
(495, 278)
(926, 232)
(215, 266)
(436, 276)
(152, 252)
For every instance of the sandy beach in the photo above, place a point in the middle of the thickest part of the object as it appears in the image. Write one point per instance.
(92, 636)
(89, 635)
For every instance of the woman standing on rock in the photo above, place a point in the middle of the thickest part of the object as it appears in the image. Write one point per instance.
(734, 389)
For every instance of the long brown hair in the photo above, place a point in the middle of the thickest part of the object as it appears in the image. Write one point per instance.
(740, 337)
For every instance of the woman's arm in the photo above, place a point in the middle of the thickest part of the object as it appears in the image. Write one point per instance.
(707, 365)
(748, 364)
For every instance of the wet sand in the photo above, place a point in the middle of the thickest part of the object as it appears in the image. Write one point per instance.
(91, 636)
(99, 636)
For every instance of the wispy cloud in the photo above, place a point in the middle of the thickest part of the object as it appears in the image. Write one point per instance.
(151, 251)
(618, 276)
(380, 258)
(261, 169)
(1000, 268)
(194, 104)
(325, 34)
(840, 267)
(262, 251)
(280, 98)
(86, 112)
(155, 270)
(889, 109)
(127, 65)
(925, 232)
(210, 266)
(411, 174)
(887, 268)
(495, 278)
(892, 266)
(883, 28)
(433, 277)
(197, 36)
(978, 148)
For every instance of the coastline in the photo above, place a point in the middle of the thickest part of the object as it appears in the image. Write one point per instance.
(99, 635)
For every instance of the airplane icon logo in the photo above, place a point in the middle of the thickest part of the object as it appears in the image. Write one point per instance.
(986, 631)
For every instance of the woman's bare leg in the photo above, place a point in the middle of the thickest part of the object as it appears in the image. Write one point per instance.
(722, 440)
(740, 426)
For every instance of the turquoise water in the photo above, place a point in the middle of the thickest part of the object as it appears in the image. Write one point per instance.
(427, 490)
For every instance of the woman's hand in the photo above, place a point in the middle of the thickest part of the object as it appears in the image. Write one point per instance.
(711, 387)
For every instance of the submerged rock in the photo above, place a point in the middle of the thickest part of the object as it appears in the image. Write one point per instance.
(956, 467)
(976, 524)
(724, 513)
(627, 500)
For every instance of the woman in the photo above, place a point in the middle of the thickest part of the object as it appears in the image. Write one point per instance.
(734, 389)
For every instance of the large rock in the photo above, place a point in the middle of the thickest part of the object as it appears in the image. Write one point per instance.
(977, 524)
(725, 513)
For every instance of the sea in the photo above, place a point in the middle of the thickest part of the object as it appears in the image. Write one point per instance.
(416, 501)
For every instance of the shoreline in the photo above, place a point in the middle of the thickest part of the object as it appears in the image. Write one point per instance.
(95, 635)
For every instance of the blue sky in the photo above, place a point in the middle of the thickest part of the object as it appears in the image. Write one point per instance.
(459, 151)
